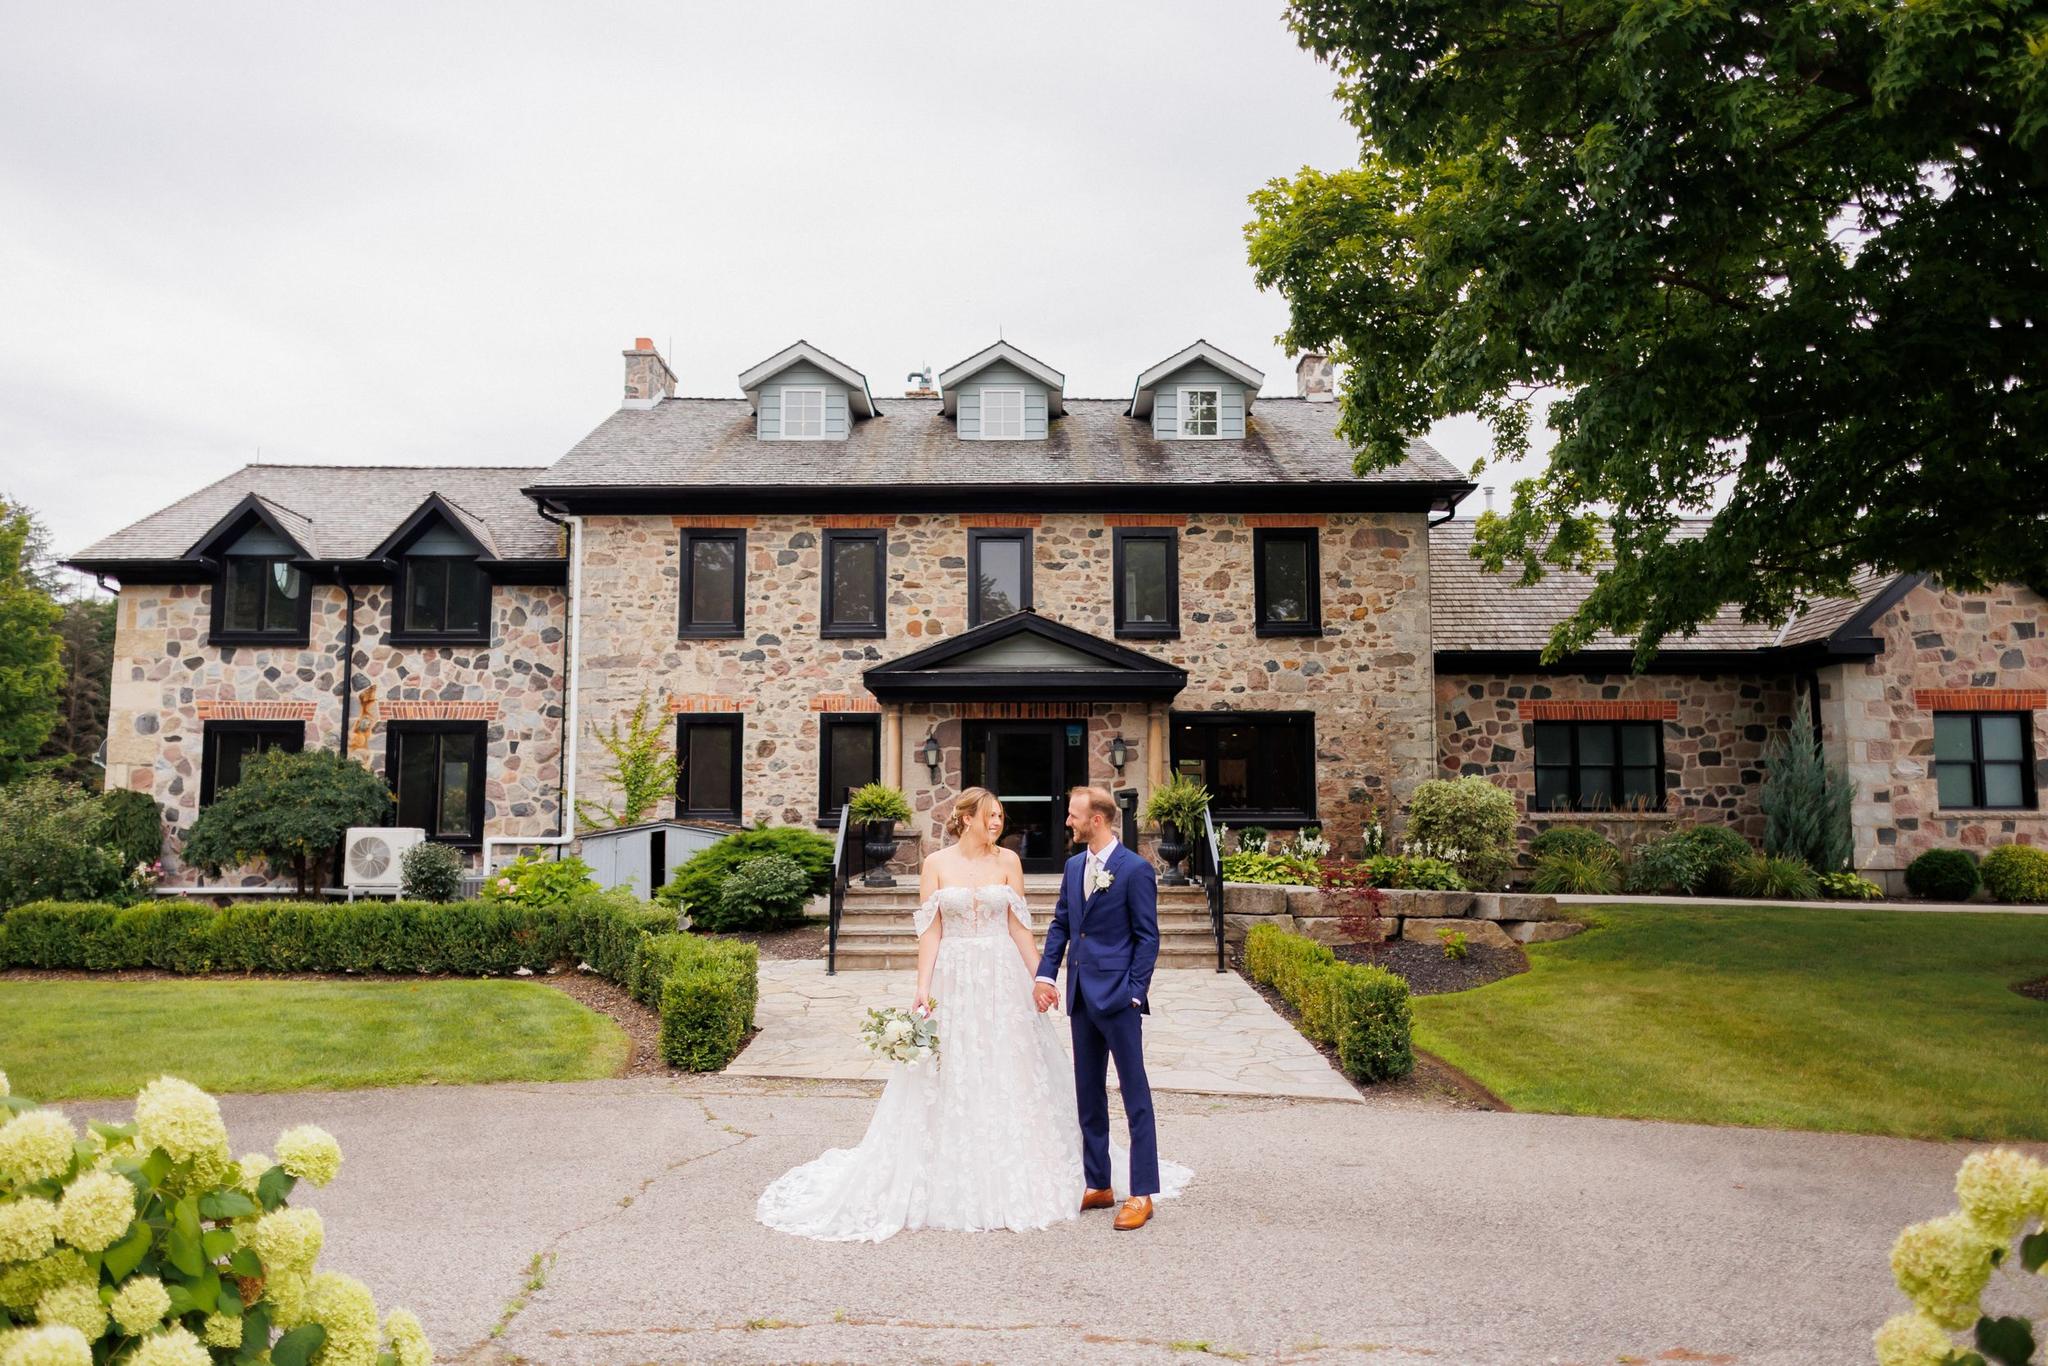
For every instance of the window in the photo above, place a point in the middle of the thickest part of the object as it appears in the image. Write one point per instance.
(1201, 412)
(708, 766)
(714, 578)
(437, 770)
(227, 745)
(443, 596)
(855, 587)
(1002, 414)
(1147, 568)
(1287, 581)
(1258, 766)
(1984, 760)
(849, 756)
(262, 596)
(998, 573)
(1599, 765)
(803, 414)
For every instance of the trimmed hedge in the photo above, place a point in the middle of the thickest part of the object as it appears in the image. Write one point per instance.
(705, 989)
(2016, 872)
(1361, 1010)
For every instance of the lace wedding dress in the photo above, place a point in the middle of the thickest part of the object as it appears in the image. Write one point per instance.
(989, 1138)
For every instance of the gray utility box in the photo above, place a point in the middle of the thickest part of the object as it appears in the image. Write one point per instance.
(642, 856)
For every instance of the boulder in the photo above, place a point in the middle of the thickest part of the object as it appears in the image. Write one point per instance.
(1540, 931)
(1253, 898)
(1236, 926)
(1515, 906)
(1485, 932)
(1329, 929)
(1433, 905)
(1304, 901)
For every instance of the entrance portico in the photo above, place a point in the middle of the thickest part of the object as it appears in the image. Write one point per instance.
(1029, 708)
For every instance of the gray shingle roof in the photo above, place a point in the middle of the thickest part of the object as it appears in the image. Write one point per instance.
(1471, 609)
(346, 511)
(697, 442)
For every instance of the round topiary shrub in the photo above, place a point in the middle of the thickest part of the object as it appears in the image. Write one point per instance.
(760, 894)
(1467, 822)
(2017, 872)
(1943, 875)
(430, 872)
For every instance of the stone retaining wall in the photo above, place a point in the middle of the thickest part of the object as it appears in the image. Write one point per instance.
(1495, 918)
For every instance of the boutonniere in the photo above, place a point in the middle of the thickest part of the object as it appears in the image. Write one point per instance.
(1103, 877)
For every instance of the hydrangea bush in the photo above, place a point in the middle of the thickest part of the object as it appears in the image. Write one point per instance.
(149, 1244)
(1945, 1266)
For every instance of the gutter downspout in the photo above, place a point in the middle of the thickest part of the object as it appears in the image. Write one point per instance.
(348, 659)
(571, 644)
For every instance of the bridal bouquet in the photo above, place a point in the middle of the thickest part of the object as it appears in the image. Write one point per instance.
(902, 1035)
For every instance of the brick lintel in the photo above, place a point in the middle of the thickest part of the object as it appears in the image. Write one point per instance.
(1550, 710)
(1981, 699)
(840, 701)
(704, 702)
(437, 711)
(720, 522)
(976, 521)
(1285, 519)
(254, 711)
(1145, 519)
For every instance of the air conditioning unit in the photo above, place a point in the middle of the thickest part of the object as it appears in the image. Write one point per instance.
(369, 861)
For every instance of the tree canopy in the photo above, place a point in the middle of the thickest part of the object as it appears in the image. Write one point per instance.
(1789, 255)
(289, 810)
(31, 673)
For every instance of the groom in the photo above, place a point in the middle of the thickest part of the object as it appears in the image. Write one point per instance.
(1109, 912)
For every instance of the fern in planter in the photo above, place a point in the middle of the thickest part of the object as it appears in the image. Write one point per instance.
(1179, 802)
(878, 802)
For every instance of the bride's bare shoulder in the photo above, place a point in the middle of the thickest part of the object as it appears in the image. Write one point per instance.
(1010, 861)
(941, 858)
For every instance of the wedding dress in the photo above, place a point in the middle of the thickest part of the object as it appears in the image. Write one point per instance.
(988, 1138)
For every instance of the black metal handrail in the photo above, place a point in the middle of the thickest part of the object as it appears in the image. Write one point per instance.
(838, 895)
(1212, 877)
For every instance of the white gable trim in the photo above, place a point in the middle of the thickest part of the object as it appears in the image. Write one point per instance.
(858, 399)
(1148, 383)
(1002, 352)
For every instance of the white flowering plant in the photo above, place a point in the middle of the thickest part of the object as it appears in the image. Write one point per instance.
(150, 1244)
(906, 1036)
(1946, 1265)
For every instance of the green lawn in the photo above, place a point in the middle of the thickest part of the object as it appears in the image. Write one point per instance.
(1859, 1021)
(74, 1039)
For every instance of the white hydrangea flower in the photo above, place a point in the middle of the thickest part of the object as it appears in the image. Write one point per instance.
(1911, 1340)
(1997, 1190)
(76, 1303)
(344, 1306)
(310, 1153)
(287, 1240)
(36, 1145)
(48, 1344)
(174, 1346)
(96, 1210)
(28, 1228)
(407, 1340)
(222, 1330)
(1942, 1265)
(140, 1304)
(181, 1119)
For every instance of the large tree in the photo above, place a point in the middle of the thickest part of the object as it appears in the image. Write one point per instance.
(1782, 261)
(86, 631)
(30, 671)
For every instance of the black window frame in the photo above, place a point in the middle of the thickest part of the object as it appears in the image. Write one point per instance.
(1146, 630)
(2030, 796)
(211, 734)
(725, 720)
(1249, 815)
(401, 604)
(1574, 767)
(686, 629)
(395, 733)
(298, 632)
(976, 537)
(1312, 622)
(828, 805)
(830, 629)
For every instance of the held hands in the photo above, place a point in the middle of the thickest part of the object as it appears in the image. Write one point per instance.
(1044, 995)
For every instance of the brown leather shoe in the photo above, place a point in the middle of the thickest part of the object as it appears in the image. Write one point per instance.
(1135, 1212)
(1097, 1200)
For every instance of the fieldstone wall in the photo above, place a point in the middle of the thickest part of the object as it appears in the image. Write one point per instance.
(1943, 651)
(1367, 678)
(1715, 729)
(168, 681)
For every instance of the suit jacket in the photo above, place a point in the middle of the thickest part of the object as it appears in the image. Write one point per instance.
(1114, 935)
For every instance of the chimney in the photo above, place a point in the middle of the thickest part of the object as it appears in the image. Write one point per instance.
(648, 378)
(1312, 378)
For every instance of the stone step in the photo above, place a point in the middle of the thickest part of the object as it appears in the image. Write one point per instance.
(1170, 922)
(870, 957)
(906, 898)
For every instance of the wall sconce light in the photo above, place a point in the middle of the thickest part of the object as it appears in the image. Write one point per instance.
(932, 755)
(1118, 753)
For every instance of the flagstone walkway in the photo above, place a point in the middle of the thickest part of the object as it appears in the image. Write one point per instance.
(1209, 1032)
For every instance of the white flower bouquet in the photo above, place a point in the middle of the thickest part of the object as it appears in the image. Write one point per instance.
(903, 1035)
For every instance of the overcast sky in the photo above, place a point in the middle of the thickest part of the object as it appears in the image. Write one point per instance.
(373, 234)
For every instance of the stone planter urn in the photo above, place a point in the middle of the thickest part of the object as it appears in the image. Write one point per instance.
(1172, 848)
(880, 847)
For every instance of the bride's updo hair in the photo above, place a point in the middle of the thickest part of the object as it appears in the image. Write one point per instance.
(966, 807)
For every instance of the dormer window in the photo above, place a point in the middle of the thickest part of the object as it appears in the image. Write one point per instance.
(261, 593)
(442, 589)
(1200, 412)
(1002, 414)
(444, 596)
(803, 413)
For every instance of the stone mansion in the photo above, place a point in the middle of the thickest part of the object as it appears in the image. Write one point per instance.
(990, 582)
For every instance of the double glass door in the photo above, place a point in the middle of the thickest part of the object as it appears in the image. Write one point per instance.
(1026, 764)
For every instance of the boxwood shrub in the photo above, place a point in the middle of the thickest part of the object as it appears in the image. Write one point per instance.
(617, 935)
(1361, 1010)
(2017, 872)
(1943, 875)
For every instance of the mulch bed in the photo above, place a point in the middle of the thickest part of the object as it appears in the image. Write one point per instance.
(797, 941)
(1426, 970)
(2036, 990)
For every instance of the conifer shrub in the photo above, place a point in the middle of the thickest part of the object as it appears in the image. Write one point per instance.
(1944, 875)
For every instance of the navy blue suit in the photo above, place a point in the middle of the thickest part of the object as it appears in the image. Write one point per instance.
(1114, 941)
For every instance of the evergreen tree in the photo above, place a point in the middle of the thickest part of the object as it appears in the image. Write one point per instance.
(1805, 802)
(31, 672)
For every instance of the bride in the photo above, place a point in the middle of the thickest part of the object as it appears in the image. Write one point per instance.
(990, 1137)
